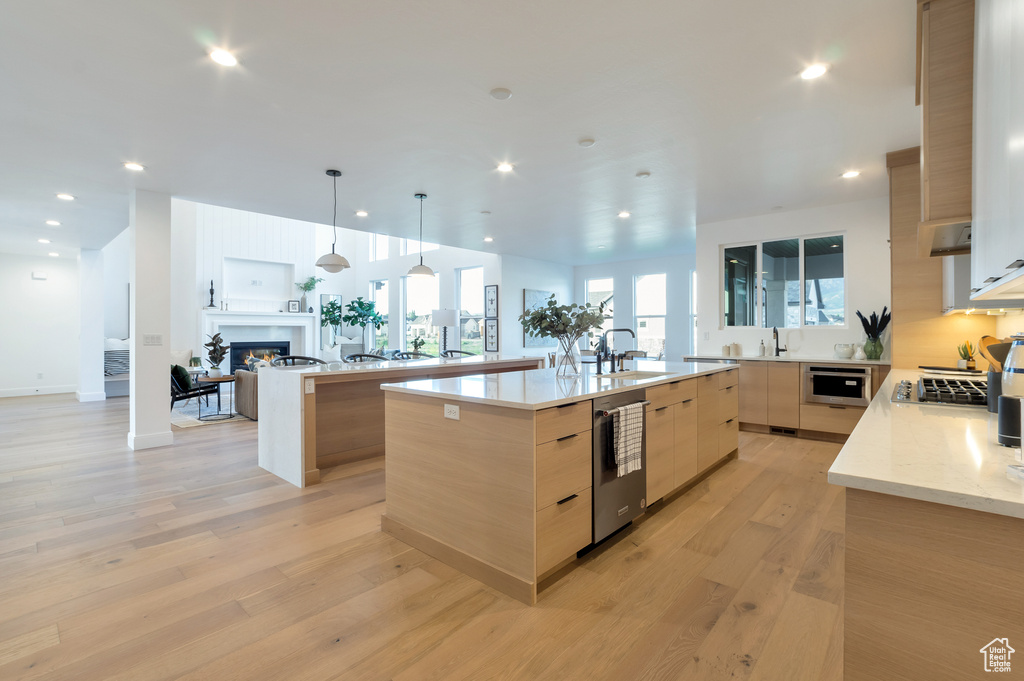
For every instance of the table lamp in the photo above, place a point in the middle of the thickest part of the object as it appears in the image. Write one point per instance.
(444, 319)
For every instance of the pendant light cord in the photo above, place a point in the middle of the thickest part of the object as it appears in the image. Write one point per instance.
(421, 231)
(335, 220)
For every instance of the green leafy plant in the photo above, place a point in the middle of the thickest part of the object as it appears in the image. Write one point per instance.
(216, 351)
(966, 350)
(362, 313)
(566, 323)
(418, 343)
(309, 284)
(876, 325)
(331, 314)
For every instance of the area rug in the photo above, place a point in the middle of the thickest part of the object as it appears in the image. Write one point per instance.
(186, 414)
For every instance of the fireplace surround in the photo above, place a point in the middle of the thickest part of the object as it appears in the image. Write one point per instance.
(240, 351)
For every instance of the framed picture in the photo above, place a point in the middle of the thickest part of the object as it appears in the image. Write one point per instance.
(490, 335)
(293, 306)
(532, 299)
(491, 300)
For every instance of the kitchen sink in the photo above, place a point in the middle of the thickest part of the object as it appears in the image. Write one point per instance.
(634, 375)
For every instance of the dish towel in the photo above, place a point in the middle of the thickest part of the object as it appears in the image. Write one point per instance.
(628, 425)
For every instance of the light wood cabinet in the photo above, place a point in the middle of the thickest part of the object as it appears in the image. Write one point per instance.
(660, 451)
(563, 528)
(728, 437)
(830, 418)
(563, 467)
(784, 394)
(564, 420)
(686, 466)
(753, 382)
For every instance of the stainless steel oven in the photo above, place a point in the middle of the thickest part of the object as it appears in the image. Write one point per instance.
(837, 384)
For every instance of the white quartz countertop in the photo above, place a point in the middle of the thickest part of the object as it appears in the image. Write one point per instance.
(541, 388)
(943, 454)
(391, 366)
(796, 358)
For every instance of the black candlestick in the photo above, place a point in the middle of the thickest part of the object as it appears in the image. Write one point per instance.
(211, 293)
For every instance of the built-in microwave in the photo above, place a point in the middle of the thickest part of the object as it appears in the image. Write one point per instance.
(837, 384)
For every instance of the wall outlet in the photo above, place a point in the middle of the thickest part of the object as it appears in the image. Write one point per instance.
(152, 339)
(451, 411)
(310, 386)
(707, 335)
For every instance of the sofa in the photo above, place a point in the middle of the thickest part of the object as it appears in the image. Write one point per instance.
(247, 393)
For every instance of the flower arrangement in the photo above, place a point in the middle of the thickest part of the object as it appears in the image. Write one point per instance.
(874, 327)
(567, 324)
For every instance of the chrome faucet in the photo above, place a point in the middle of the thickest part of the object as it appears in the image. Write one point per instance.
(608, 353)
(775, 337)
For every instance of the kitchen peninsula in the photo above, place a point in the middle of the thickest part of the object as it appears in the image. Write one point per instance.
(934, 540)
(319, 416)
(500, 475)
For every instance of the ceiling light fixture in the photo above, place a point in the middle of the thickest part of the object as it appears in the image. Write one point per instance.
(501, 93)
(624, 214)
(814, 71)
(643, 174)
(44, 241)
(505, 167)
(65, 197)
(53, 223)
(332, 262)
(361, 213)
(586, 142)
(421, 270)
(130, 165)
(849, 174)
(54, 255)
(223, 57)
(488, 239)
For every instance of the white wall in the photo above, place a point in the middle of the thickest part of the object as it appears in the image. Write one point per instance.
(39, 331)
(115, 287)
(522, 273)
(865, 226)
(677, 281)
(91, 386)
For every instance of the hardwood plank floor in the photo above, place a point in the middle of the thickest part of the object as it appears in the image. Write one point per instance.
(190, 562)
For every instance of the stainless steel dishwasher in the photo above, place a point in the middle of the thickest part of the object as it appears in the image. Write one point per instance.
(617, 501)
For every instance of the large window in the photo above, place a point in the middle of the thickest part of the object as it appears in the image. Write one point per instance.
(650, 308)
(471, 309)
(787, 283)
(413, 247)
(379, 291)
(693, 312)
(378, 247)
(602, 291)
(421, 299)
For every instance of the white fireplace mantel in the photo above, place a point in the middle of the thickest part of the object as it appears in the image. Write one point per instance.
(215, 321)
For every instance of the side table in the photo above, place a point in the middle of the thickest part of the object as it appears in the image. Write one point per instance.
(218, 415)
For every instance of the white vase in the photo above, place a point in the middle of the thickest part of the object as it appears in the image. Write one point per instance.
(860, 353)
(215, 372)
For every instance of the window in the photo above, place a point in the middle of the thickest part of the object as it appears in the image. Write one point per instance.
(471, 309)
(602, 291)
(378, 247)
(421, 299)
(379, 291)
(412, 247)
(650, 308)
(693, 312)
(787, 283)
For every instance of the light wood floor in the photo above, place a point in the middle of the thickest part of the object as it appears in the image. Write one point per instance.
(190, 562)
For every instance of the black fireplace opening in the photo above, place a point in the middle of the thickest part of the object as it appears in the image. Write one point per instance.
(268, 350)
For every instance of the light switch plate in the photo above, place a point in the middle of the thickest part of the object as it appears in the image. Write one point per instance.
(310, 386)
(152, 339)
(451, 411)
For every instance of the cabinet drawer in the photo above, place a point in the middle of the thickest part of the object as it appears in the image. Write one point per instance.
(563, 467)
(728, 403)
(706, 385)
(707, 412)
(728, 437)
(828, 418)
(660, 451)
(562, 530)
(565, 420)
(707, 448)
(671, 393)
(686, 465)
(728, 378)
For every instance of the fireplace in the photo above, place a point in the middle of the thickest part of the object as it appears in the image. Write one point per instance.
(240, 351)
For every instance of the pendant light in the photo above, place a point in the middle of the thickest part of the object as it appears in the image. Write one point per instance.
(332, 262)
(421, 270)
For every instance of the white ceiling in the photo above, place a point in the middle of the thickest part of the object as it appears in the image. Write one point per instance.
(704, 95)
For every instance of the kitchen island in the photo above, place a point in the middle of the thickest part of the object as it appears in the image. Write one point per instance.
(934, 541)
(318, 416)
(494, 474)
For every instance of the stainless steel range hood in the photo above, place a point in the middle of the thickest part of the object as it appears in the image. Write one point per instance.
(944, 237)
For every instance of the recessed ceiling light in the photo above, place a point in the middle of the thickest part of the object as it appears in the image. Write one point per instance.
(54, 255)
(643, 174)
(44, 241)
(501, 93)
(814, 71)
(488, 239)
(223, 57)
(835, 245)
(485, 212)
(851, 174)
(505, 167)
(134, 166)
(361, 213)
(586, 142)
(53, 223)
(624, 214)
(600, 246)
(65, 197)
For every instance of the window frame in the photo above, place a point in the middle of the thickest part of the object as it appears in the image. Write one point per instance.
(375, 334)
(663, 316)
(458, 304)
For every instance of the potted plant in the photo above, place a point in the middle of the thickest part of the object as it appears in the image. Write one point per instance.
(418, 343)
(567, 324)
(216, 351)
(874, 328)
(966, 351)
(307, 287)
(331, 315)
(362, 313)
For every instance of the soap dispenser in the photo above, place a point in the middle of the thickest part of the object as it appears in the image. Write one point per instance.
(761, 350)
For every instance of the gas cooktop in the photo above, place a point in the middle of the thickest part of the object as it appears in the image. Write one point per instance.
(957, 392)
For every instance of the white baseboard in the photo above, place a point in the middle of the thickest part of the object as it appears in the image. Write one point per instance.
(48, 390)
(90, 397)
(151, 440)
